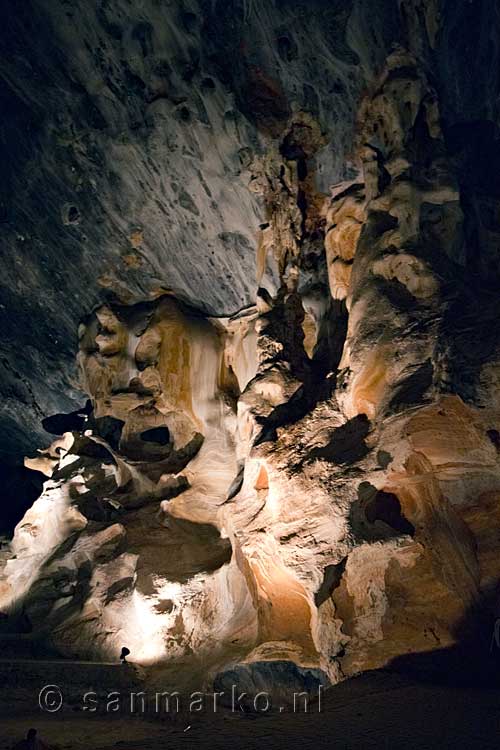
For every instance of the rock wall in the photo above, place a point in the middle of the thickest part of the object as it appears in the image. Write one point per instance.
(127, 149)
(312, 481)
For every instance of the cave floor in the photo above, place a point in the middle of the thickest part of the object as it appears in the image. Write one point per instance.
(376, 710)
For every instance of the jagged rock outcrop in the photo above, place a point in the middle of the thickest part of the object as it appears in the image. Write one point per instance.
(309, 486)
(127, 153)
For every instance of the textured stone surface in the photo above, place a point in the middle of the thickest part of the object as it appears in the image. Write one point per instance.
(127, 154)
(293, 476)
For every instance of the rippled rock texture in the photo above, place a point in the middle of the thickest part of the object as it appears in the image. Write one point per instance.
(132, 132)
(282, 278)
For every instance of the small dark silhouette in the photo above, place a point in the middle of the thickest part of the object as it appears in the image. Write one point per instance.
(495, 636)
(31, 742)
(123, 656)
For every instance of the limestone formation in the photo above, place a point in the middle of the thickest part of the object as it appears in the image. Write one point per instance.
(300, 476)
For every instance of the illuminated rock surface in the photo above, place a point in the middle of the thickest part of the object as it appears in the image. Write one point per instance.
(285, 299)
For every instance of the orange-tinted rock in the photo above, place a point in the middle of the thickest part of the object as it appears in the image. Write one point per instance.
(262, 482)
